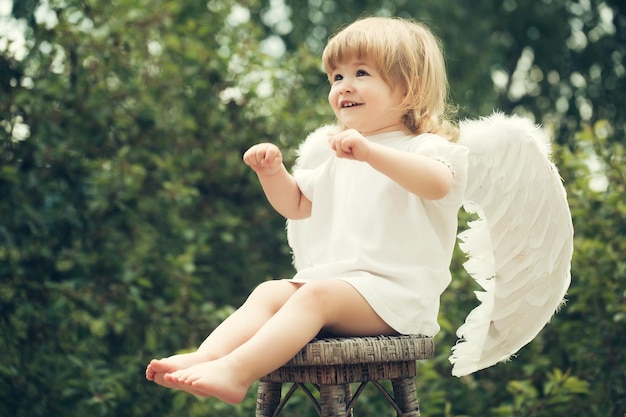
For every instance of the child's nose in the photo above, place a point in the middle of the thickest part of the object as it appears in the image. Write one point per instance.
(345, 87)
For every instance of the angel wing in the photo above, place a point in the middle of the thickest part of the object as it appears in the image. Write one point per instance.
(520, 247)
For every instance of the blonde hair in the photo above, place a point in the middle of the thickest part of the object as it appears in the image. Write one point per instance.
(408, 56)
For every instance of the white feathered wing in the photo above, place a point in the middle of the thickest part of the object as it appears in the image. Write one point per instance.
(521, 246)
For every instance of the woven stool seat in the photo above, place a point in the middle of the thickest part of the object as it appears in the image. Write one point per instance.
(332, 364)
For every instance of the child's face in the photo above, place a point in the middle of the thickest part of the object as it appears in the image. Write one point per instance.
(362, 100)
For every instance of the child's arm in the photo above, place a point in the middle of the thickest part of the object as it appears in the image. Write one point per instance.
(418, 174)
(279, 186)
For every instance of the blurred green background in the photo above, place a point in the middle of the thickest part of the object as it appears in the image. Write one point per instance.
(129, 227)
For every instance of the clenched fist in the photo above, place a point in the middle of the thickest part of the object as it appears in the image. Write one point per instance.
(350, 144)
(264, 158)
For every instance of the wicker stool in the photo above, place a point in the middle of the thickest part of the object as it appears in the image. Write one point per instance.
(332, 364)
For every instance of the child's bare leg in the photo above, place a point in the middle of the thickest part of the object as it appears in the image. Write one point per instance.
(331, 304)
(264, 301)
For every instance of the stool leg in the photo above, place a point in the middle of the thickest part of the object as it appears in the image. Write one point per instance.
(405, 396)
(347, 395)
(333, 401)
(268, 398)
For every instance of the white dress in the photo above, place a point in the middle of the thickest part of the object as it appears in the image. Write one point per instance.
(394, 247)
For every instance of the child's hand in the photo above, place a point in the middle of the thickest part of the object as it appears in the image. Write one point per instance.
(350, 144)
(264, 159)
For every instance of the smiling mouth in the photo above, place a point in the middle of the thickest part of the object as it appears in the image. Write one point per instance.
(349, 104)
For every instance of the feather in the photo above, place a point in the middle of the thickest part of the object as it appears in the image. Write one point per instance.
(522, 245)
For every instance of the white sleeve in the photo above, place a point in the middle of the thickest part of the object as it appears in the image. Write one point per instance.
(307, 180)
(455, 156)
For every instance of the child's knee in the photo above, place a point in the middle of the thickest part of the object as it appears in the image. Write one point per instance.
(275, 292)
(318, 293)
(272, 286)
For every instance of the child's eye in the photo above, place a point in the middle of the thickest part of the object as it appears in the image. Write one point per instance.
(337, 77)
(361, 73)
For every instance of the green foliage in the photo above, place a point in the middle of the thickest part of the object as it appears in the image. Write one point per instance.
(597, 306)
(129, 226)
(129, 223)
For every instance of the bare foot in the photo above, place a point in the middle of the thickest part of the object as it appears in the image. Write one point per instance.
(157, 368)
(159, 378)
(211, 379)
